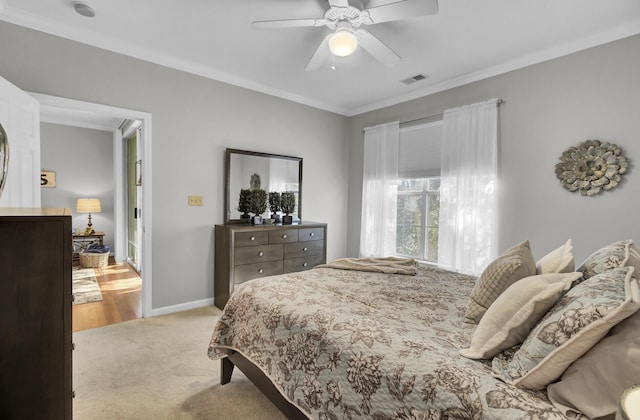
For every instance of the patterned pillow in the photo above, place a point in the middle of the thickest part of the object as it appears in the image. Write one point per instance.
(571, 327)
(606, 258)
(560, 260)
(514, 264)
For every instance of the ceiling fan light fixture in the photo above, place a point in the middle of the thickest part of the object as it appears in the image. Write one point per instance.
(343, 42)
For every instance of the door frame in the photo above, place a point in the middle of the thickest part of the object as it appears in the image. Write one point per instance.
(83, 114)
(126, 132)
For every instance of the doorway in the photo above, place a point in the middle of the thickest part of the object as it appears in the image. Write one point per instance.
(131, 137)
(71, 112)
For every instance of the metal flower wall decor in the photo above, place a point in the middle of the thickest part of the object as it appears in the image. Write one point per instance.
(4, 158)
(592, 167)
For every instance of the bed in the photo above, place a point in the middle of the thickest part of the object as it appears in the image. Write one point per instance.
(331, 344)
(388, 339)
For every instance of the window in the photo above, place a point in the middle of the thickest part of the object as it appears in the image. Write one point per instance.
(418, 207)
(418, 214)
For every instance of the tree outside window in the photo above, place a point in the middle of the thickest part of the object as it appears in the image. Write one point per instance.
(417, 218)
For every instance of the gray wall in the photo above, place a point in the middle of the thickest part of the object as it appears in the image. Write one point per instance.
(194, 120)
(548, 107)
(82, 159)
(592, 94)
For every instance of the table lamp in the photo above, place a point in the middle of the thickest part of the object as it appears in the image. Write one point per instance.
(629, 404)
(88, 205)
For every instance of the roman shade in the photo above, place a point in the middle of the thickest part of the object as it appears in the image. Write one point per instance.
(419, 150)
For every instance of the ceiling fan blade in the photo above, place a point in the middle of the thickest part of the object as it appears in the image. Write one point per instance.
(377, 49)
(320, 55)
(339, 3)
(401, 9)
(288, 23)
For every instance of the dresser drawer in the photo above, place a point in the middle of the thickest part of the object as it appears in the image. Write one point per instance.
(254, 254)
(250, 238)
(293, 265)
(311, 234)
(247, 272)
(302, 249)
(283, 236)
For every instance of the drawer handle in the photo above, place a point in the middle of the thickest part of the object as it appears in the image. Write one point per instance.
(260, 254)
(284, 236)
(312, 234)
(253, 238)
(305, 249)
(305, 264)
(260, 271)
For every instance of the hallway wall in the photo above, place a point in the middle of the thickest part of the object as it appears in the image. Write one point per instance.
(82, 159)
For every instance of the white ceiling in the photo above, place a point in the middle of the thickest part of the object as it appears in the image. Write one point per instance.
(466, 40)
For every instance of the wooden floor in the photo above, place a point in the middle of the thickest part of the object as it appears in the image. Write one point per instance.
(121, 287)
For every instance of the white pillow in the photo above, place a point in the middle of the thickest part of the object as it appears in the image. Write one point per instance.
(634, 259)
(515, 312)
(560, 260)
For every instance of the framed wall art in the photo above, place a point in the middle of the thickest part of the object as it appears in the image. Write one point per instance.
(47, 179)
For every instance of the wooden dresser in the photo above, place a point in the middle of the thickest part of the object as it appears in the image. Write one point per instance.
(35, 313)
(245, 252)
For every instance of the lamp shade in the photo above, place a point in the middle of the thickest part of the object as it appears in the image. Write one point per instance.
(629, 404)
(88, 205)
(343, 42)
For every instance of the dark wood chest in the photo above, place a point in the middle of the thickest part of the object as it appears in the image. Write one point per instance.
(35, 314)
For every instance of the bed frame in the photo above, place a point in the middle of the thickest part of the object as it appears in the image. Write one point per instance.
(261, 381)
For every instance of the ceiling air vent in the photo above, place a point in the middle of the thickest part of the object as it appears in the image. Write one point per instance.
(413, 79)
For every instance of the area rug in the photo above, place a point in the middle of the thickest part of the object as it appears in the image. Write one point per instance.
(85, 286)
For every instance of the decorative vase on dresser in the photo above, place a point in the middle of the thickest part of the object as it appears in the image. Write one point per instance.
(35, 313)
(244, 253)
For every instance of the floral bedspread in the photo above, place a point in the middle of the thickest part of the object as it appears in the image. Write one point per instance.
(348, 344)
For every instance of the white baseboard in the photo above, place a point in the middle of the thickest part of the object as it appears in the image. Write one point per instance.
(181, 307)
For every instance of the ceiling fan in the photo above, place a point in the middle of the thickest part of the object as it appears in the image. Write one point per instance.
(344, 17)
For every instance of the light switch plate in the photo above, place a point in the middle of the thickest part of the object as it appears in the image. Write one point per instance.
(195, 200)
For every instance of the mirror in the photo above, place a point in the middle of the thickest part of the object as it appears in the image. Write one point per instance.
(272, 173)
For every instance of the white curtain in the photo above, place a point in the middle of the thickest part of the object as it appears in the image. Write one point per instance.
(379, 190)
(468, 233)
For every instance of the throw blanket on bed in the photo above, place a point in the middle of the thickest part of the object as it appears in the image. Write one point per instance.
(343, 344)
(389, 265)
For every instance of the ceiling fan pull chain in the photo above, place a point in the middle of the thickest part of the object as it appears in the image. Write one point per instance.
(333, 62)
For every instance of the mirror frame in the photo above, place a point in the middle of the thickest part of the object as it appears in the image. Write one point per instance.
(227, 180)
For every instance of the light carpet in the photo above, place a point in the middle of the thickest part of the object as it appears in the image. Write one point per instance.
(85, 286)
(158, 368)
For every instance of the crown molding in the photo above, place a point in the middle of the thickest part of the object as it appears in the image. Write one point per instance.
(521, 62)
(52, 27)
